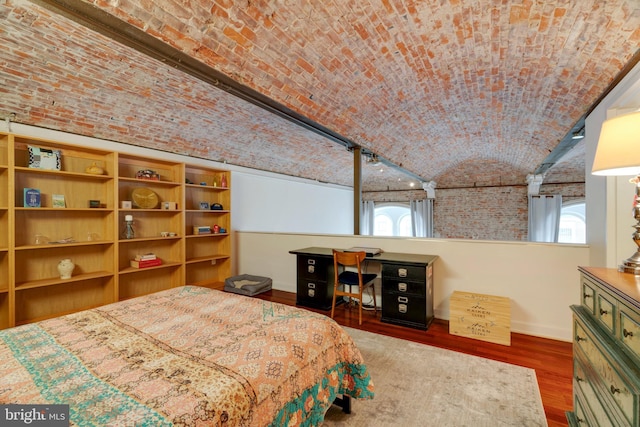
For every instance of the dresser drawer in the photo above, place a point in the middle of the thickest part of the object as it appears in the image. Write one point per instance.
(588, 295)
(588, 408)
(611, 378)
(405, 272)
(629, 331)
(606, 311)
(404, 287)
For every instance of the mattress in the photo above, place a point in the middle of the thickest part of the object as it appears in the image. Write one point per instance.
(184, 356)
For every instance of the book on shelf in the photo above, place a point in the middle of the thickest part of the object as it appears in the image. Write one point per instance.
(146, 263)
(201, 229)
(145, 257)
(31, 198)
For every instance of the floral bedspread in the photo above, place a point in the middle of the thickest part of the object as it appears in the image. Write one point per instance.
(185, 356)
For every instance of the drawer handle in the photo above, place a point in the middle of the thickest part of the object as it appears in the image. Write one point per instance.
(402, 287)
(578, 379)
(614, 390)
(585, 296)
(627, 333)
(402, 272)
(603, 312)
(579, 338)
(403, 300)
(580, 421)
(311, 285)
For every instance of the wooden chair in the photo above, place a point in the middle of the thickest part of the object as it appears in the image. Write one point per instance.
(351, 278)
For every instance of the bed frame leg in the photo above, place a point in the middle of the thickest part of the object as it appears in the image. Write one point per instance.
(344, 402)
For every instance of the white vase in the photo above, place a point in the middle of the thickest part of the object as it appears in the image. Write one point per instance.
(65, 267)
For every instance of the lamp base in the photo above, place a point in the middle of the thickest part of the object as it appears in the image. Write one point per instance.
(631, 264)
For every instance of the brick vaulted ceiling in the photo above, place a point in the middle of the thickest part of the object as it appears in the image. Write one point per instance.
(463, 92)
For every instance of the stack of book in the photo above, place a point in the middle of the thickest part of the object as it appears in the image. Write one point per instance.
(145, 260)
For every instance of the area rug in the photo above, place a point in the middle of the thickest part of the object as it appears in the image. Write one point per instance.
(421, 385)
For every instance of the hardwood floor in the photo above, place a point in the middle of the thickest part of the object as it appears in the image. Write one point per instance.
(551, 359)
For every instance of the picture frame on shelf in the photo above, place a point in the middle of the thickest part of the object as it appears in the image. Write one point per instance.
(57, 201)
(44, 158)
(204, 206)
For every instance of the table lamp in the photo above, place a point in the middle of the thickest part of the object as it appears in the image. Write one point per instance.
(618, 153)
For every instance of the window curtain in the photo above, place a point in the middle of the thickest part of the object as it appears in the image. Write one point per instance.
(421, 217)
(367, 220)
(544, 218)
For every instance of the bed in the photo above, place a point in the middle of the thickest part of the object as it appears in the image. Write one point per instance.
(184, 356)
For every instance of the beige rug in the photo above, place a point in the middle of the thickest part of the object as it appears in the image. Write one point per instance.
(421, 385)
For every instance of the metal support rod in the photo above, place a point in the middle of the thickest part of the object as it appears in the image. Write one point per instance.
(357, 189)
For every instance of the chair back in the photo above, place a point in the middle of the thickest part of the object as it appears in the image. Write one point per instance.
(348, 259)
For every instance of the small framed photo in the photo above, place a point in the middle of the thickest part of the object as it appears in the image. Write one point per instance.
(169, 206)
(57, 201)
(126, 204)
(94, 204)
(44, 158)
(204, 205)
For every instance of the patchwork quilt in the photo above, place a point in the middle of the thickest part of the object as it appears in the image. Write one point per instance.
(186, 356)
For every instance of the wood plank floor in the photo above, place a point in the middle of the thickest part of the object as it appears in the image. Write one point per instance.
(551, 359)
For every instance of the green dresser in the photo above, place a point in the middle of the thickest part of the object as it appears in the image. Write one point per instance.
(606, 350)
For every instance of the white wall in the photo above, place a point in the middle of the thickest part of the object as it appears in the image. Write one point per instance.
(541, 280)
(273, 203)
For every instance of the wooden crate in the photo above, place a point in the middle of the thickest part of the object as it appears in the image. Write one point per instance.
(483, 317)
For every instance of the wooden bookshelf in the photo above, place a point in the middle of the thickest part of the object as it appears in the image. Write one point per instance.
(88, 228)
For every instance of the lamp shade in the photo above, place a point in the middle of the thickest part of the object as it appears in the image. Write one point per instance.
(618, 150)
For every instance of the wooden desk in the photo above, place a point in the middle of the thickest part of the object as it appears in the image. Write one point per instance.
(407, 284)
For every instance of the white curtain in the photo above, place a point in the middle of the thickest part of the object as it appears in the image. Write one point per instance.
(367, 220)
(422, 217)
(544, 218)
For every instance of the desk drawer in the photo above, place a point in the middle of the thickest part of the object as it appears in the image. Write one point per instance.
(404, 287)
(404, 272)
(314, 293)
(402, 308)
(314, 268)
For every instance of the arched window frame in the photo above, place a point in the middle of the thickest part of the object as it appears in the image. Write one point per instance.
(396, 213)
(574, 209)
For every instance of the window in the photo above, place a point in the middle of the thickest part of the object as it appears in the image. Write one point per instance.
(572, 223)
(392, 220)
